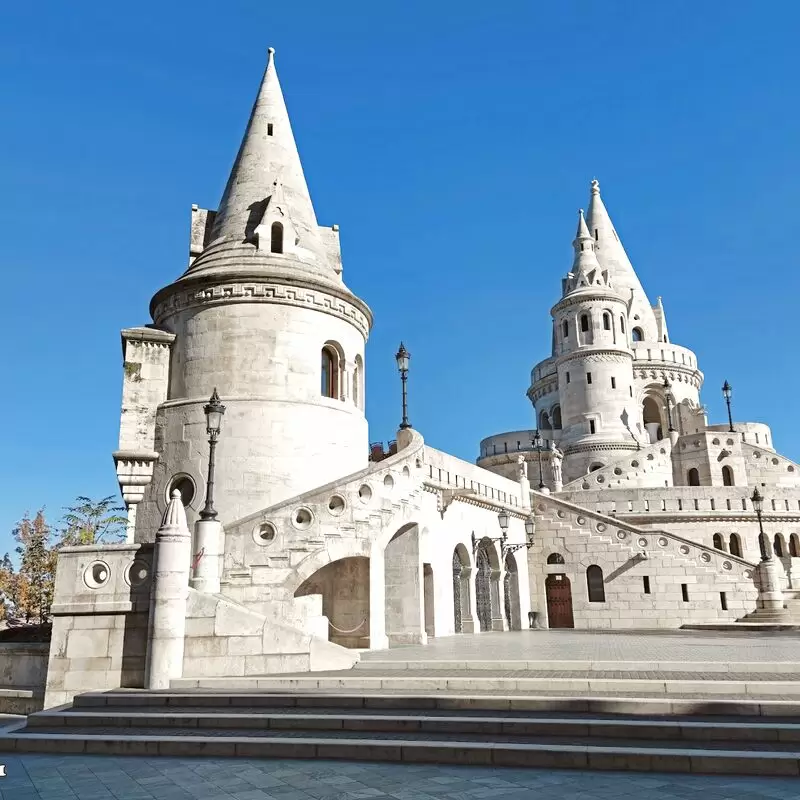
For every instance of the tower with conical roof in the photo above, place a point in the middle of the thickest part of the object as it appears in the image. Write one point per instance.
(593, 362)
(263, 315)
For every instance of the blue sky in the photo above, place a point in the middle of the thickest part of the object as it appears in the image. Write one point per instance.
(452, 142)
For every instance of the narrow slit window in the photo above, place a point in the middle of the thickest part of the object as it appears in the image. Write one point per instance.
(613, 383)
(568, 377)
(723, 601)
(646, 582)
(591, 426)
(685, 592)
(588, 377)
(270, 129)
(276, 233)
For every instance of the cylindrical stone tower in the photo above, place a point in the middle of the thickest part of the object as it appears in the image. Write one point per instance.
(261, 314)
(594, 363)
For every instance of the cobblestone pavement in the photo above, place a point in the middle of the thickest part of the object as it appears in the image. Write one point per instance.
(566, 645)
(39, 777)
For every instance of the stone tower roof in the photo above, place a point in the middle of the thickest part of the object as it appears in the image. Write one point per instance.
(612, 256)
(267, 188)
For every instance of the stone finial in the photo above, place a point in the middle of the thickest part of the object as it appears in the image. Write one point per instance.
(270, 55)
(174, 519)
(595, 186)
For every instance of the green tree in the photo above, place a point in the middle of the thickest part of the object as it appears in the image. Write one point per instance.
(8, 584)
(93, 522)
(37, 567)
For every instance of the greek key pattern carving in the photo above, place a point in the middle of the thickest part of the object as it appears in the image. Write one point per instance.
(265, 293)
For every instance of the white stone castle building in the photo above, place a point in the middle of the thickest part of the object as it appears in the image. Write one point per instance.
(635, 513)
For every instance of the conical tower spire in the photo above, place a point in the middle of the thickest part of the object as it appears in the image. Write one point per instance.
(267, 179)
(586, 269)
(612, 256)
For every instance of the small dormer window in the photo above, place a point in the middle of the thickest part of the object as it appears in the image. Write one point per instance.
(270, 129)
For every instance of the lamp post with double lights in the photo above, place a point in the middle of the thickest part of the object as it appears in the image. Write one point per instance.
(727, 391)
(505, 548)
(537, 443)
(214, 411)
(402, 357)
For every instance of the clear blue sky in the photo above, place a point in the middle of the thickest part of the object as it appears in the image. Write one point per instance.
(451, 141)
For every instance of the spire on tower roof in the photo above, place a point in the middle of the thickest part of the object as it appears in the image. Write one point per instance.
(267, 179)
(612, 256)
(586, 269)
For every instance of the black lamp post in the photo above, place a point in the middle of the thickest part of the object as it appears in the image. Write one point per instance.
(214, 411)
(758, 506)
(402, 357)
(667, 387)
(537, 443)
(727, 391)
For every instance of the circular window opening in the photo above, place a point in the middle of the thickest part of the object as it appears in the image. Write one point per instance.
(185, 485)
(634, 464)
(775, 461)
(302, 518)
(715, 441)
(137, 574)
(336, 505)
(96, 574)
(729, 441)
(617, 471)
(388, 481)
(265, 533)
(365, 494)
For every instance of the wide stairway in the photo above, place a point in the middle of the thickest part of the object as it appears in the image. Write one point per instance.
(705, 717)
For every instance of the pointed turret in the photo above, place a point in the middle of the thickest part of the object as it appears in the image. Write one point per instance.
(586, 269)
(267, 170)
(612, 256)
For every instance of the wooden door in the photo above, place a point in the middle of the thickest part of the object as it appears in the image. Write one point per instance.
(559, 602)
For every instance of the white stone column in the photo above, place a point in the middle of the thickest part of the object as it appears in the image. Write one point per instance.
(770, 596)
(168, 597)
(206, 555)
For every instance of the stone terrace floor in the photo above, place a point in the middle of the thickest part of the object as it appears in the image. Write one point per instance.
(40, 777)
(572, 645)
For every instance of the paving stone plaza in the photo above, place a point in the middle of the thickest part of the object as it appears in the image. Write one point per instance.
(40, 777)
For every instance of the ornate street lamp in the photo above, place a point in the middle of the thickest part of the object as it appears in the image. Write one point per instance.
(537, 443)
(402, 357)
(214, 411)
(668, 395)
(528, 543)
(758, 506)
(502, 518)
(727, 391)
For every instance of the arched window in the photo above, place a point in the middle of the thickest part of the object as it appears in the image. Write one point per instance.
(606, 321)
(555, 558)
(557, 417)
(794, 546)
(727, 476)
(276, 232)
(565, 328)
(584, 322)
(637, 335)
(736, 545)
(778, 545)
(693, 477)
(357, 371)
(622, 323)
(330, 372)
(594, 583)
(544, 421)
(718, 541)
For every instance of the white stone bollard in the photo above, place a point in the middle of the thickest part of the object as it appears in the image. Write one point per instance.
(207, 552)
(168, 597)
(770, 596)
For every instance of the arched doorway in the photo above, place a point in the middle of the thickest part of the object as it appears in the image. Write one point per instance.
(511, 594)
(651, 417)
(559, 602)
(462, 616)
(483, 588)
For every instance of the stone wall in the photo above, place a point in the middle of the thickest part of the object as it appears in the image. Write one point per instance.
(100, 619)
(23, 674)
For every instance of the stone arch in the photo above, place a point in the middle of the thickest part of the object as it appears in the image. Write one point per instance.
(727, 476)
(794, 546)
(487, 590)
(652, 417)
(332, 370)
(462, 569)
(339, 592)
(718, 542)
(511, 593)
(555, 558)
(735, 545)
(403, 587)
(779, 545)
(693, 477)
(544, 421)
(595, 584)
(555, 416)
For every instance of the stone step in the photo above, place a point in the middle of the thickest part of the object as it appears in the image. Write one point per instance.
(639, 705)
(403, 722)
(603, 755)
(381, 661)
(723, 684)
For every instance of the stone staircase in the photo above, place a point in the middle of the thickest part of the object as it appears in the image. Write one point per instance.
(736, 735)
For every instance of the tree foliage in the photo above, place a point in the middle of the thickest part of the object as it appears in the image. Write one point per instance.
(34, 582)
(93, 522)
